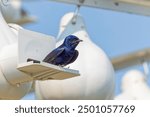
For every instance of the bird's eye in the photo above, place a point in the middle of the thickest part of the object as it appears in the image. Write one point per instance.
(70, 41)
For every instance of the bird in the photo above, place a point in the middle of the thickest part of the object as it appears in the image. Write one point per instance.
(65, 53)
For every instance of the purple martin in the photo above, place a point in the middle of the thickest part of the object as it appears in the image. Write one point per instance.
(65, 53)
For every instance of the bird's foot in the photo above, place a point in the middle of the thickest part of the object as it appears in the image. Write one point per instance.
(60, 65)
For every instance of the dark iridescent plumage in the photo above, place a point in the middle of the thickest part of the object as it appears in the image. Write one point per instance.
(65, 53)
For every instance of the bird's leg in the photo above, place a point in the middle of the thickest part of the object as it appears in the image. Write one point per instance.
(61, 65)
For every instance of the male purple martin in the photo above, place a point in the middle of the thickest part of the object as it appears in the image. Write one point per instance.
(65, 53)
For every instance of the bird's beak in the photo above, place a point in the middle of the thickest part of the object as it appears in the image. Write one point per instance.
(80, 40)
(77, 41)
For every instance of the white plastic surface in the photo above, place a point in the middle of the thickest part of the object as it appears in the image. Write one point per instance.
(11, 9)
(9, 62)
(34, 45)
(45, 71)
(12, 12)
(15, 28)
(97, 75)
(134, 87)
(8, 56)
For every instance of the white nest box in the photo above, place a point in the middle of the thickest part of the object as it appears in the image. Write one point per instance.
(36, 46)
(14, 13)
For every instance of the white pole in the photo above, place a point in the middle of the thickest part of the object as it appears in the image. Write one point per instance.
(146, 69)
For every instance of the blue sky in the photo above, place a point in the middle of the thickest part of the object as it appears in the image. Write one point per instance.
(115, 32)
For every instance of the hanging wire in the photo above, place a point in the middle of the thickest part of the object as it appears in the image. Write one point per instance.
(74, 18)
(73, 21)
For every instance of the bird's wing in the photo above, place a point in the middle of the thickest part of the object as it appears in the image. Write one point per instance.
(74, 57)
(53, 55)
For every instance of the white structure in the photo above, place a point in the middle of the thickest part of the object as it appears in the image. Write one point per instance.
(97, 75)
(134, 86)
(16, 74)
(8, 63)
(15, 28)
(13, 13)
(141, 7)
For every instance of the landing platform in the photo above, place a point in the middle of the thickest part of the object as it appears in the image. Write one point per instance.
(45, 71)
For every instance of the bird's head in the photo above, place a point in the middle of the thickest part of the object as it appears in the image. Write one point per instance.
(72, 41)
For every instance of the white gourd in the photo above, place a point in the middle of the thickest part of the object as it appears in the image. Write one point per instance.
(97, 74)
